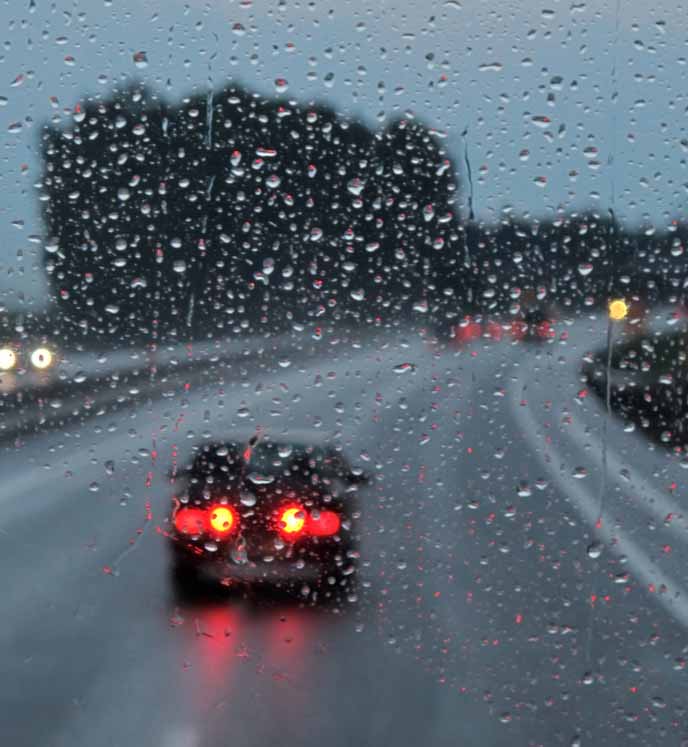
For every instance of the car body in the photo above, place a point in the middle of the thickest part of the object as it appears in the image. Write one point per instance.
(536, 325)
(266, 510)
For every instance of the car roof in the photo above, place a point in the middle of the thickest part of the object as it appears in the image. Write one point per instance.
(300, 436)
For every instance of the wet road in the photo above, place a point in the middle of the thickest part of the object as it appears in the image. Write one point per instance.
(497, 605)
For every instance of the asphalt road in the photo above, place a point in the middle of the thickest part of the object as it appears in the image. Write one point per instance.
(498, 606)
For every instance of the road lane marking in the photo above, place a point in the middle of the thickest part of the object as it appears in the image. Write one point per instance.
(640, 564)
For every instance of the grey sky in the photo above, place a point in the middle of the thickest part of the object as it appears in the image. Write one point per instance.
(492, 69)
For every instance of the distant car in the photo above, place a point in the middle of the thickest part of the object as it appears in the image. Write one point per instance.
(536, 326)
(271, 510)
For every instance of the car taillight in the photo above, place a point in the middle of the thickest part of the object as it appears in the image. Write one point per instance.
(191, 521)
(294, 522)
(323, 523)
(291, 522)
(518, 329)
(223, 520)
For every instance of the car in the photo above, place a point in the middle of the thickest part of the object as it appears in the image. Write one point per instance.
(535, 326)
(267, 510)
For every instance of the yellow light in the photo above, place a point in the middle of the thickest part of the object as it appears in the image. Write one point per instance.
(8, 359)
(41, 358)
(618, 309)
(222, 519)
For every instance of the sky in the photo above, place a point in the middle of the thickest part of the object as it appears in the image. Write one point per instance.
(557, 106)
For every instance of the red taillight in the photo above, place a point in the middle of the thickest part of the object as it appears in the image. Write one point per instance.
(323, 523)
(544, 329)
(494, 330)
(190, 521)
(291, 521)
(223, 520)
(518, 329)
(294, 522)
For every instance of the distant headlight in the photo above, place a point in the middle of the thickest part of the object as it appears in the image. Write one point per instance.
(8, 359)
(41, 358)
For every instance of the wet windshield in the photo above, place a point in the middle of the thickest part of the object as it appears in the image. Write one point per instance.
(431, 255)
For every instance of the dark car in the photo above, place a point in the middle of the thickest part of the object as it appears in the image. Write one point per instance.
(536, 326)
(269, 510)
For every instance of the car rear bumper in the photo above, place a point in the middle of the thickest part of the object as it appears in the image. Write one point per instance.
(222, 568)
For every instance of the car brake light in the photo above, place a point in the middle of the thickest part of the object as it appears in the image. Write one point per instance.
(223, 519)
(190, 521)
(323, 523)
(292, 521)
(544, 329)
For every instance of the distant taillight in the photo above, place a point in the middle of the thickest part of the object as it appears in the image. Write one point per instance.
(223, 519)
(291, 521)
(323, 523)
(190, 521)
(544, 329)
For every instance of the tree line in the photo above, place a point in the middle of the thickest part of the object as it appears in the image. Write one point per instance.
(231, 213)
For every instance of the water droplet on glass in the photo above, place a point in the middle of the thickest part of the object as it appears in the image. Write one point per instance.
(140, 60)
(595, 550)
(258, 479)
(404, 368)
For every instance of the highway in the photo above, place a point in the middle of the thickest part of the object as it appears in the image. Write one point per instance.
(523, 565)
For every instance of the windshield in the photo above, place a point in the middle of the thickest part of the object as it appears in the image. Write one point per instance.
(343, 377)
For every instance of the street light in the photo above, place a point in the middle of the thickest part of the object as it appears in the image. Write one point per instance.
(618, 309)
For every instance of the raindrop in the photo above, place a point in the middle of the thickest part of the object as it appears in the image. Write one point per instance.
(140, 60)
(281, 85)
(404, 368)
(179, 265)
(247, 499)
(595, 550)
(258, 479)
(541, 121)
(356, 186)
